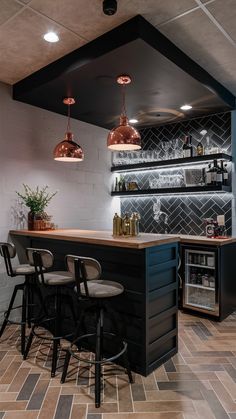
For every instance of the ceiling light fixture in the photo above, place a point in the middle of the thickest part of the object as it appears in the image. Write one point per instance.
(51, 37)
(124, 137)
(67, 150)
(186, 107)
(133, 121)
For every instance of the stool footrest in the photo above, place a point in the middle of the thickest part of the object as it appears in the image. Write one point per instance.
(52, 338)
(104, 360)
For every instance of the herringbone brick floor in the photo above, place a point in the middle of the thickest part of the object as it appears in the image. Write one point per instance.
(198, 382)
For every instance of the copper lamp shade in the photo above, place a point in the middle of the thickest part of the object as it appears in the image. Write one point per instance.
(67, 150)
(124, 137)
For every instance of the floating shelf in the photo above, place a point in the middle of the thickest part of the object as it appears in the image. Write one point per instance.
(173, 191)
(171, 163)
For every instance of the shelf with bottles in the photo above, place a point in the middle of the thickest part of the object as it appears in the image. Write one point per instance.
(157, 164)
(202, 277)
(200, 266)
(200, 287)
(173, 191)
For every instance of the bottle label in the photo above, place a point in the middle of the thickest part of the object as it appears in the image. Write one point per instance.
(225, 176)
(219, 177)
(187, 152)
(208, 178)
(213, 176)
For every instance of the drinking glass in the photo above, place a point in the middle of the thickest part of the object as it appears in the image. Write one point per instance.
(165, 147)
(177, 148)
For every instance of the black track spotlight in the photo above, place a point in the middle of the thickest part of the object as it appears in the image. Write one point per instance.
(109, 7)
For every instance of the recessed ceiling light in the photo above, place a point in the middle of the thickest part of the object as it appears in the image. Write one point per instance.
(51, 37)
(186, 107)
(133, 121)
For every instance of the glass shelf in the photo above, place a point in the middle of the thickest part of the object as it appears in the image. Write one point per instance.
(200, 266)
(200, 286)
(208, 308)
(171, 163)
(172, 191)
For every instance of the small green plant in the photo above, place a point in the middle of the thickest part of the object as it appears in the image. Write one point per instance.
(36, 199)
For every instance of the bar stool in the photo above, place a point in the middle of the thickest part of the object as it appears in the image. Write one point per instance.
(8, 252)
(91, 288)
(57, 280)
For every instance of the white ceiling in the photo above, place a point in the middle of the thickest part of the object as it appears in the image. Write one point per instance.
(205, 30)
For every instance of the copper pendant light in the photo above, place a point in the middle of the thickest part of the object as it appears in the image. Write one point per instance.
(124, 137)
(67, 150)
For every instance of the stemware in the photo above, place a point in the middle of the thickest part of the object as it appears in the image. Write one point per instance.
(165, 147)
(177, 148)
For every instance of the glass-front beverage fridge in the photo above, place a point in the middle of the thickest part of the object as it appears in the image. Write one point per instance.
(207, 277)
(200, 280)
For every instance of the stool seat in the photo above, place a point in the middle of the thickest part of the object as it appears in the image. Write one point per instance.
(58, 278)
(98, 288)
(24, 269)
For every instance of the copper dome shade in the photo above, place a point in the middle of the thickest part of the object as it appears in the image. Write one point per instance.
(68, 150)
(124, 137)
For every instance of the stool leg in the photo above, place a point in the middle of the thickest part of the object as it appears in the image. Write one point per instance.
(23, 318)
(54, 357)
(127, 367)
(30, 339)
(29, 301)
(56, 342)
(8, 310)
(66, 365)
(98, 359)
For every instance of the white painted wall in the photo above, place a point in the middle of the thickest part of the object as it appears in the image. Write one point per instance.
(28, 136)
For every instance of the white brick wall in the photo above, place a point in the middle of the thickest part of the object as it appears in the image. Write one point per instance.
(28, 136)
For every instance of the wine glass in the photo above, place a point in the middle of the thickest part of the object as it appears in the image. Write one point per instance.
(165, 147)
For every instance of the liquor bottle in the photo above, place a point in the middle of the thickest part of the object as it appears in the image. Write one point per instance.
(187, 146)
(120, 185)
(126, 225)
(208, 175)
(214, 173)
(224, 173)
(219, 174)
(116, 185)
(200, 149)
(123, 185)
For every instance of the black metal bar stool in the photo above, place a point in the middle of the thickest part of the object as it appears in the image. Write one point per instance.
(8, 252)
(57, 280)
(97, 292)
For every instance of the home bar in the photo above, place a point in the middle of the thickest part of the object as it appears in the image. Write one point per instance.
(118, 222)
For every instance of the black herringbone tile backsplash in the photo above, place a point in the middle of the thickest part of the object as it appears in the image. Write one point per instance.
(182, 214)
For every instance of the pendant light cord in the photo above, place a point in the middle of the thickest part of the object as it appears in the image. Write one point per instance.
(68, 121)
(123, 100)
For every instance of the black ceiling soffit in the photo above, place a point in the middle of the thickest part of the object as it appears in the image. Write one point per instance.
(163, 79)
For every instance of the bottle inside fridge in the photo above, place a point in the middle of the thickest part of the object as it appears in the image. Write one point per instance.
(200, 281)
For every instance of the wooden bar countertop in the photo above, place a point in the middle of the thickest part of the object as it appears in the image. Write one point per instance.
(105, 238)
(101, 237)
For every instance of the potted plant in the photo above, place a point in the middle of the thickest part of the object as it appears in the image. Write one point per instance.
(37, 200)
